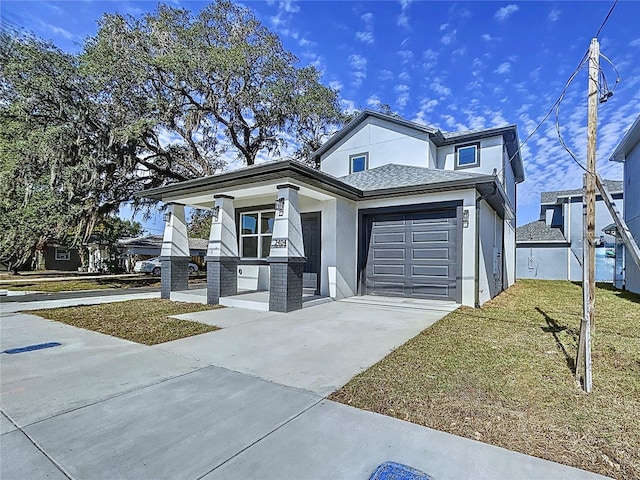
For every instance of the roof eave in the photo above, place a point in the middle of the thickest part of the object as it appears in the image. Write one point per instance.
(254, 174)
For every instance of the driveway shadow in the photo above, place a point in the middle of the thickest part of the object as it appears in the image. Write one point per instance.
(554, 328)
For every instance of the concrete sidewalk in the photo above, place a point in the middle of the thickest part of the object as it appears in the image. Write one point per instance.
(100, 407)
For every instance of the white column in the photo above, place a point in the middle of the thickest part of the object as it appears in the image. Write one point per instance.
(287, 229)
(175, 242)
(223, 240)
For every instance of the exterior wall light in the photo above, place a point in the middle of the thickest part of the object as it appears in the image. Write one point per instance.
(167, 217)
(215, 212)
(279, 206)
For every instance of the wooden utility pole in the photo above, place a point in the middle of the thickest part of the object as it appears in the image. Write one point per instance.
(583, 361)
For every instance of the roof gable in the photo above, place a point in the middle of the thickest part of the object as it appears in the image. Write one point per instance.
(509, 134)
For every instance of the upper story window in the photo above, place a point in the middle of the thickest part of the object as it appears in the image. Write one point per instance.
(358, 162)
(256, 230)
(468, 155)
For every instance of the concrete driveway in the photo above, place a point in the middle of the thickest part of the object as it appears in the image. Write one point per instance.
(243, 402)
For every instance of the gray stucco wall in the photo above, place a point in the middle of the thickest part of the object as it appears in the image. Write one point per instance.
(542, 261)
(490, 265)
(632, 212)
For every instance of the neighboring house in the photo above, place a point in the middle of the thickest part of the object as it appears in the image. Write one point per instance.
(141, 248)
(628, 152)
(397, 208)
(551, 248)
(56, 255)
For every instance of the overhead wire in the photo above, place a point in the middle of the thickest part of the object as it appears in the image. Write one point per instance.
(556, 104)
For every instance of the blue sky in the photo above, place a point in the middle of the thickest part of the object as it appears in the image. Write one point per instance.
(453, 65)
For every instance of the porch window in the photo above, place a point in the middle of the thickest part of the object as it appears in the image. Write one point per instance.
(256, 230)
(63, 254)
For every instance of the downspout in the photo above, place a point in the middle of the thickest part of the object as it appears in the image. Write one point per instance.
(477, 266)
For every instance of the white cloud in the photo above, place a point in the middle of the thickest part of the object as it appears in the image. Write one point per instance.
(365, 37)
(443, 26)
(373, 101)
(348, 106)
(404, 76)
(406, 55)
(448, 37)
(505, 12)
(503, 68)
(60, 31)
(429, 55)
(554, 15)
(427, 105)
(385, 75)
(335, 84)
(403, 95)
(403, 18)
(439, 88)
(486, 37)
(635, 43)
(358, 72)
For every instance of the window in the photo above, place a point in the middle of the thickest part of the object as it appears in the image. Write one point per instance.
(467, 155)
(63, 254)
(358, 162)
(256, 229)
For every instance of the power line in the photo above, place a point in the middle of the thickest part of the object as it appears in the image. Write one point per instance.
(561, 96)
(606, 18)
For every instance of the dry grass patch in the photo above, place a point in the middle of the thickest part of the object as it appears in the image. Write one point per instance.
(503, 374)
(142, 321)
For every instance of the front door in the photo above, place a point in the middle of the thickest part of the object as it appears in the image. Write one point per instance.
(311, 236)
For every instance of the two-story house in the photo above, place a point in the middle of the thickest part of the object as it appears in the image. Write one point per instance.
(396, 208)
(628, 152)
(551, 248)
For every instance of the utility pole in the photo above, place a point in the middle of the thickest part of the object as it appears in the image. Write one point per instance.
(583, 362)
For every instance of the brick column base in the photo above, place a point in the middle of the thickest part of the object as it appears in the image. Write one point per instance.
(222, 278)
(285, 291)
(174, 275)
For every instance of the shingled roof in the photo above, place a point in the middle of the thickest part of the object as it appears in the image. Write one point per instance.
(397, 176)
(539, 231)
(614, 186)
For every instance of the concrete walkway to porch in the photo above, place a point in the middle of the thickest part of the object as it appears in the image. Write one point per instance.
(249, 299)
(318, 348)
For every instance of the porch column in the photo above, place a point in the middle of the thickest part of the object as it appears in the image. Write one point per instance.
(222, 252)
(286, 258)
(174, 256)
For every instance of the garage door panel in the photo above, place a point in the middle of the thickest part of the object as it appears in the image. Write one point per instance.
(389, 270)
(390, 288)
(389, 238)
(430, 271)
(429, 237)
(430, 253)
(391, 253)
(430, 291)
(413, 254)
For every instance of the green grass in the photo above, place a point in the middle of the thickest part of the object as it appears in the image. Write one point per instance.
(53, 286)
(142, 321)
(503, 374)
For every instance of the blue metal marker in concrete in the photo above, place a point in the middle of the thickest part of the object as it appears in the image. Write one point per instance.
(30, 348)
(398, 471)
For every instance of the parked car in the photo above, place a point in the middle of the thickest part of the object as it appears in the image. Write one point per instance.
(153, 266)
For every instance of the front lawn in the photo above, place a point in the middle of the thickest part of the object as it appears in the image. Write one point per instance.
(503, 374)
(143, 321)
(53, 286)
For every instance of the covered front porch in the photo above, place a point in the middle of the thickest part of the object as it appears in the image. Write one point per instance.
(249, 299)
(273, 243)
